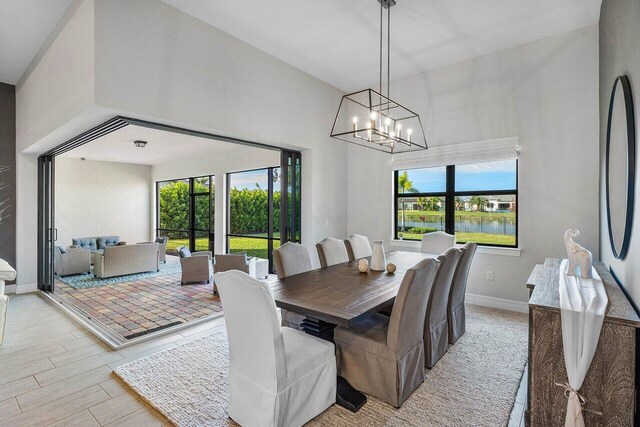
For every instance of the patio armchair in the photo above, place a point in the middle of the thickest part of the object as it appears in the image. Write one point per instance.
(228, 262)
(71, 261)
(196, 266)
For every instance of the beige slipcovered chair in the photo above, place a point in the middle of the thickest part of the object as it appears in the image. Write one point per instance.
(384, 356)
(436, 330)
(332, 251)
(228, 262)
(277, 376)
(455, 309)
(437, 242)
(290, 259)
(71, 261)
(358, 247)
(196, 267)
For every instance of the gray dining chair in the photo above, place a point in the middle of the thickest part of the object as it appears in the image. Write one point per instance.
(358, 247)
(384, 356)
(290, 259)
(456, 317)
(332, 251)
(437, 242)
(436, 329)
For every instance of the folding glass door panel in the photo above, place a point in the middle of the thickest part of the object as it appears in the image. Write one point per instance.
(291, 197)
(47, 232)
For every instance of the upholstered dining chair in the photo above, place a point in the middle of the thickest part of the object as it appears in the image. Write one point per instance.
(437, 242)
(290, 259)
(332, 251)
(358, 246)
(455, 309)
(384, 356)
(436, 330)
(278, 376)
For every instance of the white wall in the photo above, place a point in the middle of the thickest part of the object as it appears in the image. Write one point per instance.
(546, 94)
(619, 55)
(102, 199)
(239, 158)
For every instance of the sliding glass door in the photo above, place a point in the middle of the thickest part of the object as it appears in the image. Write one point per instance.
(185, 209)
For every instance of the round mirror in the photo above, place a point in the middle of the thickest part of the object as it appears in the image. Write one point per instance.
(620, 173)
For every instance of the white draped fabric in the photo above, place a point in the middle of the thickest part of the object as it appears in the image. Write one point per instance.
(6, 273)
(583, 303)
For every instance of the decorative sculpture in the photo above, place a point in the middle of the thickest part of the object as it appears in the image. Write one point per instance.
(391, 268)
(378, 260)
(363, 265)
(580, 259)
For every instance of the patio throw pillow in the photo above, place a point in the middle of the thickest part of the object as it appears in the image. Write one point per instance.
(184, 252)
(104, 241)
(88, 243)
(62, 249)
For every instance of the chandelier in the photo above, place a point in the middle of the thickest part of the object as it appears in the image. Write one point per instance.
(373, 120)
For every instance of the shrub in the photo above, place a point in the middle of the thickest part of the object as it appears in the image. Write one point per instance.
(421, 230)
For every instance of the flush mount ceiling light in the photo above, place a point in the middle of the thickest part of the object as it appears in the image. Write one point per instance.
(140, 144)
(373, 120)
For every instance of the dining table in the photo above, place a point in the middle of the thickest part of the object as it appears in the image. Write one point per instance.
(339, 295)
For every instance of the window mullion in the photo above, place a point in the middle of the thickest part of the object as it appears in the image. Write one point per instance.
(449, 200)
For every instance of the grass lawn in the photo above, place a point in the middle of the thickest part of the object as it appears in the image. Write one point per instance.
(486, 238)
(253, 247)
(415, 215)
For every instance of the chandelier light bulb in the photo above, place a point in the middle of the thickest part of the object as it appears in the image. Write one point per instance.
(387, 121)
(355, 120)
(374, 115)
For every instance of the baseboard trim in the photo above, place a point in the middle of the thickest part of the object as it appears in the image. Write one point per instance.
(25, 289)
(493, 302)
(10, 289)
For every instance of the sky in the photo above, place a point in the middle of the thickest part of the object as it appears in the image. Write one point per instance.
(499, 175)
(248, 180)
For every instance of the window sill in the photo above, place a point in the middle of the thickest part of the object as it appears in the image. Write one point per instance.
(488, 250)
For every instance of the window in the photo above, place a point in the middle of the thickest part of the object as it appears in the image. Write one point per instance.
(477, 202)
(185, 212)
(254, 212)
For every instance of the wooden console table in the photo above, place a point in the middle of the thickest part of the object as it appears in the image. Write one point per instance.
(609, 386)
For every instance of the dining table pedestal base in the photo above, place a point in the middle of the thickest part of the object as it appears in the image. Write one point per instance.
(346, 396)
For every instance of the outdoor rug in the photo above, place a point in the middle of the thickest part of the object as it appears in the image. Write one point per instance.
(474, 384)
(85, 281)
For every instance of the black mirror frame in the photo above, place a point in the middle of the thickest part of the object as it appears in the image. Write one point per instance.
(631, 164)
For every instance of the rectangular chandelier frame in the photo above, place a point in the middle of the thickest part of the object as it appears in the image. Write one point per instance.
(377, 123)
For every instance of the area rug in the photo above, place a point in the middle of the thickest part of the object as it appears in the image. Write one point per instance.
(474, 384)
(85, 281)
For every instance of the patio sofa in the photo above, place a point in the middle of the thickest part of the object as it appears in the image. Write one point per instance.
(126, 259)
(96, 244)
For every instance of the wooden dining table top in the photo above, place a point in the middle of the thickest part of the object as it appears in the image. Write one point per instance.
(340, 294)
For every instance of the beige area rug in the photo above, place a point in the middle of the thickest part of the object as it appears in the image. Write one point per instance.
(474, 384)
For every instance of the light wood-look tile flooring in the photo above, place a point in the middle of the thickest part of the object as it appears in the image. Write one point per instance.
(54, 372)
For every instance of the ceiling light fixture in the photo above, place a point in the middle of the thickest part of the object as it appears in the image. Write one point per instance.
(140, 144)
(371, 119)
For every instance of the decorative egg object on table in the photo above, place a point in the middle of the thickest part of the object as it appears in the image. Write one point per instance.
(391, 268)
(363, 265)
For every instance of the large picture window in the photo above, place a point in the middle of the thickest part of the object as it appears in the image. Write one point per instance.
(254, 212)
(476, 202)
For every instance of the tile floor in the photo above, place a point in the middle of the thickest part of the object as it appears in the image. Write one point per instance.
(132, 308)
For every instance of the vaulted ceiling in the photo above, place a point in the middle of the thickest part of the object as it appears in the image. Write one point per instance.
(334, 40)
(337, 40)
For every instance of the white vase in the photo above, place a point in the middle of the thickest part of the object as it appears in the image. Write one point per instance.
(378, 260)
